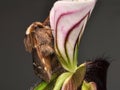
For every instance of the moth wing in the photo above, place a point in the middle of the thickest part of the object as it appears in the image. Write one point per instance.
(43, 65)
(41, 68)
(28, 43)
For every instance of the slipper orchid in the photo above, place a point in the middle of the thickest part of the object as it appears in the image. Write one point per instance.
(68, 19)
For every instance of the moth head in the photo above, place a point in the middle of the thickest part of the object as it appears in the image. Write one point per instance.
(35, 26)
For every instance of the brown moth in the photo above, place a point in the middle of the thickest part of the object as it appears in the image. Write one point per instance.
(39, 41)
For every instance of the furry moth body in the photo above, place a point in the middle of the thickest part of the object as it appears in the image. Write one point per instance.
(39, 41)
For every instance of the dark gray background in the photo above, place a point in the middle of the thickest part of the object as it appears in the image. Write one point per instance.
(101, 37)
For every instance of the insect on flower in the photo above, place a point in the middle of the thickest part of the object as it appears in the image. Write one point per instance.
(39, 41)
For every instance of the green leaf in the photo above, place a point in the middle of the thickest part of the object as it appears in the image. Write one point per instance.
(89, 86)
(45, 85)
(61, 80)
(41, 86)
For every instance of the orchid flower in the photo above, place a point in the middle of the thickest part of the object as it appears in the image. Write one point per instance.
(68, 20)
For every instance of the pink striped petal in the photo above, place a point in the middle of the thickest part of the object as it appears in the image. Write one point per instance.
(68, 19)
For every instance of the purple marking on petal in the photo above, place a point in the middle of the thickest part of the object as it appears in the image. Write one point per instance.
(76, 42)
(79, 34)
(64, 14)
(70, 31)
(63, 33)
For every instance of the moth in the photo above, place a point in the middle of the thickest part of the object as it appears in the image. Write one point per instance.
(39, 42)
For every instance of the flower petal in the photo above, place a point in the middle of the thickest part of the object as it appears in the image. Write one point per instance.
(61, 80)
(68, 19)
(89, 86)
(74, 81)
